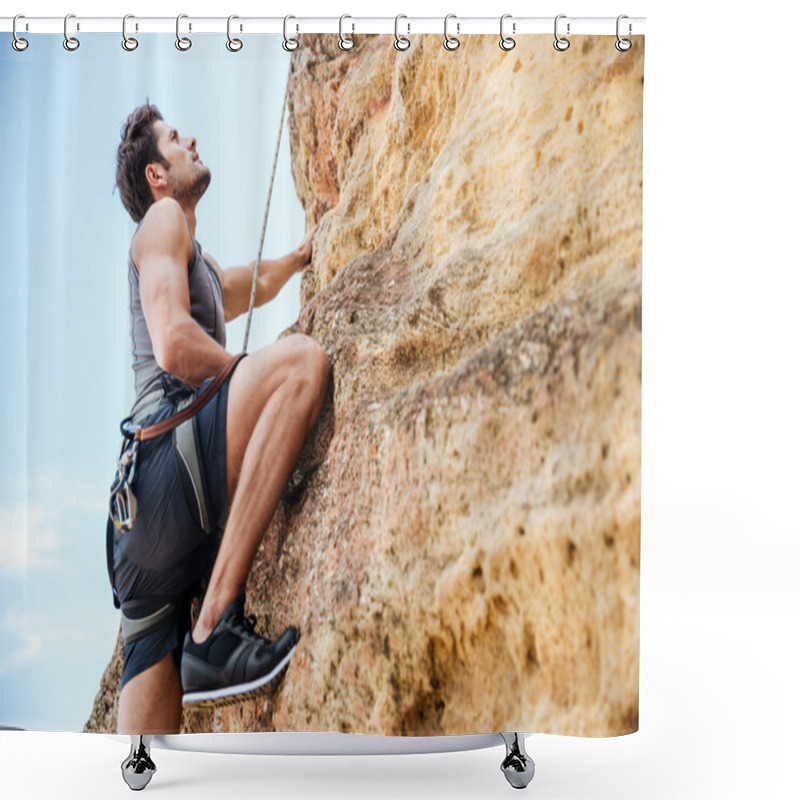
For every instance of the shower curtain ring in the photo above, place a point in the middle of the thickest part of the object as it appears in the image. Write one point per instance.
(70, 42)
(401, 42)
(561, 44)
(450, 42)
(128, 42)
(506, 42)
(234, 45)
(623, 44)
(290, 43)
(345, 43)
(182, 42)
(19, 44)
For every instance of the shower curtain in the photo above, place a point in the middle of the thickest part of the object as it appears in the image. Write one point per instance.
(458, 541)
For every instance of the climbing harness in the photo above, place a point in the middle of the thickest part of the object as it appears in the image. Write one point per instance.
(122, 505)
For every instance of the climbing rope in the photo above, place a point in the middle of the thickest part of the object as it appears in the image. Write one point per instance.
(264, 225)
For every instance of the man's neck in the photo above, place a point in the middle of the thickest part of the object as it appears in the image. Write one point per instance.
(191, 219)
(188, 210)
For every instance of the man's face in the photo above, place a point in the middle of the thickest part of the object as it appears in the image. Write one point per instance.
(187, 177)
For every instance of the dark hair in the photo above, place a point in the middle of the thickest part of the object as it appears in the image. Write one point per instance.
(138, 148)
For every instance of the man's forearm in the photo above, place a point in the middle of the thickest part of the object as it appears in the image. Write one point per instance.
(273, 275)
(190, 354)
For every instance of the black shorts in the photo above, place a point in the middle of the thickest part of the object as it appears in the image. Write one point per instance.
(167, 556)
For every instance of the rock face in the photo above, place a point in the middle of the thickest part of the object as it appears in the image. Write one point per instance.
(460, 545)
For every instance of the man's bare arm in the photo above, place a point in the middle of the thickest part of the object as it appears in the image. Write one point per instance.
(237, 282)
(162, 249)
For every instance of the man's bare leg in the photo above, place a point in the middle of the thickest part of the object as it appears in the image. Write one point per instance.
(151, 702)
(274, 399)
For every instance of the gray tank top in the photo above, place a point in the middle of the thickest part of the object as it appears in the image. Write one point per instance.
(205, 294)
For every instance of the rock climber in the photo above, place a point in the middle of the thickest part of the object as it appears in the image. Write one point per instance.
(206, 490)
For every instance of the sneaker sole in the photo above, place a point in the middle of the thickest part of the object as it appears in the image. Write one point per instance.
(228, 695)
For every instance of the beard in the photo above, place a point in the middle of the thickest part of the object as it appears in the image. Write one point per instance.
(192, 189)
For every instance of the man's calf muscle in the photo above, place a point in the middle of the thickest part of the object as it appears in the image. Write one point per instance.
(152, 701)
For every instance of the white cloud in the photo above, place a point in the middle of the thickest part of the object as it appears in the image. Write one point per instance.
(24, 635)
(28, 539)
(68, 492)
(17, 652)
(32, 534)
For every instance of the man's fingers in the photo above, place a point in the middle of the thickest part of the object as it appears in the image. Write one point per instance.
(309, 237)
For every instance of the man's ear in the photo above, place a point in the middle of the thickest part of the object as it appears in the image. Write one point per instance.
(155, 176)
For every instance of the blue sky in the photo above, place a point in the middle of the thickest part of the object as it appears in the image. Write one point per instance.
(65, 376)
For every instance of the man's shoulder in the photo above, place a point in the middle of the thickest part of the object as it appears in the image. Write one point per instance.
(163, 229)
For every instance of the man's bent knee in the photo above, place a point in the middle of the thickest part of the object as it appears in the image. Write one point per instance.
(317, 369)
(319, 364)
(309, 361)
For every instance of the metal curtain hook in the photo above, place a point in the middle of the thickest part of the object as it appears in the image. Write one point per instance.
(561, 44)
(401, 42)
(289, 42)
(506, 42)
(182, 42)
(450, 42)
(128, 42)
(623, 44)
(19, 44)
(234, 45)
(345, 43)
(70, 42)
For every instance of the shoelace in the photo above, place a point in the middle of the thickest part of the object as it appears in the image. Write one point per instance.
(248, 623)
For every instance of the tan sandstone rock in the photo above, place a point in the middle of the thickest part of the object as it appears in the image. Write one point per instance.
(460, 544)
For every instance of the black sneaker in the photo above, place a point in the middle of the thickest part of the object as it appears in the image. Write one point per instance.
(233, 663)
